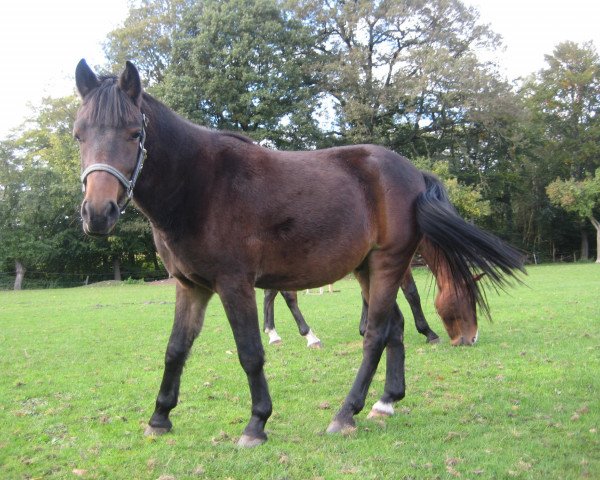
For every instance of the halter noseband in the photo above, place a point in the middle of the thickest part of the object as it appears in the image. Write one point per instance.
(129, 184)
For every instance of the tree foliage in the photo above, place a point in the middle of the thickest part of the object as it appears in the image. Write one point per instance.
(581, 197)
(244, 65)
(521, 160)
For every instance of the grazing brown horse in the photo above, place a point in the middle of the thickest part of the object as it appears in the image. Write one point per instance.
(226, 213)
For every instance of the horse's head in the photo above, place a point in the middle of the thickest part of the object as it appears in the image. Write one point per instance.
(110, 130)
(458, 310)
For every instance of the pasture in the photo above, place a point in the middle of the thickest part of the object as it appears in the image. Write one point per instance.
(80, 370)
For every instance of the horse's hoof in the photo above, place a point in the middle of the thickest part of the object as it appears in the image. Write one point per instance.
(275, 342)
(433, 340)
(345, 428)
(381, 409)
(248, 441)
(316, 345)
(155, 431)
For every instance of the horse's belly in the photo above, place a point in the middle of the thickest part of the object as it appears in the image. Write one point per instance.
(296, 267)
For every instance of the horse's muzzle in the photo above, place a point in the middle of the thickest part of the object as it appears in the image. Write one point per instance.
(99, 220)
(465, 340)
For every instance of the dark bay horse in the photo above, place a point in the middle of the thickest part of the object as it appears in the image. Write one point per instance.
(409, 289)
(226, 213)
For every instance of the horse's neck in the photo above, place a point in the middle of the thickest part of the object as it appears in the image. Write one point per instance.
(172, 160)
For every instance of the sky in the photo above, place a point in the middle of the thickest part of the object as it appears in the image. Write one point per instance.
(41, 41)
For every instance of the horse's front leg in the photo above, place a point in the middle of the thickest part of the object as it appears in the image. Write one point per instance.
(189, 315)
(240, 306)
(409, 288)
(291, 298)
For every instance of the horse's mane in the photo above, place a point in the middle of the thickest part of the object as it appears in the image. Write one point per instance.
(108, 105)
(236, 135)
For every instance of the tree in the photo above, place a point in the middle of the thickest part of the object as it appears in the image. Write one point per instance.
(393, 67)
(581, 197)
(563, 100)
(34, 204)
(244, 65)
(146, 37)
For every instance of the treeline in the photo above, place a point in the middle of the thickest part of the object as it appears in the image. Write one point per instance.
(520, 158)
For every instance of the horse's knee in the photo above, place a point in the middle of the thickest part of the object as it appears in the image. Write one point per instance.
(375, 341)
(252, 360)
(175, 355)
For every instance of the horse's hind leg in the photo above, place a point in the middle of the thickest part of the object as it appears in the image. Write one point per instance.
(291, 298)
(189, 315)
(395, 385)
(382, 290)
(409, 288)
(269, 316)
(240, 306)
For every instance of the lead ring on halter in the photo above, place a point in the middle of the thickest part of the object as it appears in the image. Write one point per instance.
(129, 184)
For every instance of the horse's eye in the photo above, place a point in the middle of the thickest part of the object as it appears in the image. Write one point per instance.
(136, 135)
(77, 137)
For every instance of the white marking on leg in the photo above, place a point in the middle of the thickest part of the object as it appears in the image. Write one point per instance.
(273, 337)
(476, 337)
(382, 408)
(312, 339)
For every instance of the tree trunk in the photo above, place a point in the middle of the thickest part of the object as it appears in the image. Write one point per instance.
(596, 225)
(117, 269)
(20, 270)
(585, 245)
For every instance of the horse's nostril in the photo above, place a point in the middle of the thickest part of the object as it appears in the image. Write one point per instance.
(84, 211)
(112, 210)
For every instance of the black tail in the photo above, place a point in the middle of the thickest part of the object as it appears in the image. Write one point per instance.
(467, 249)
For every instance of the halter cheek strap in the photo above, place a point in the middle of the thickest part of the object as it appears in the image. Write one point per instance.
(128, 184)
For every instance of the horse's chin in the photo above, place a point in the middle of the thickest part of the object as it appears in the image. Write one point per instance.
(97, 233)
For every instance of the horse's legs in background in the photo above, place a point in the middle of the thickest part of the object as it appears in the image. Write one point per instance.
(291, 298)
(409, 288)
(269, 316)
(190, 307)
(381, 287)
(239, 301)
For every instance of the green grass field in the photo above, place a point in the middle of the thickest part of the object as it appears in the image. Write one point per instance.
(80, 370)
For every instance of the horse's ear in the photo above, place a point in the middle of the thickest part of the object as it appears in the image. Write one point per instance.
(130, 83)
(85, 79)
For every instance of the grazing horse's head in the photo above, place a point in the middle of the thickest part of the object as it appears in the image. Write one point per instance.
(110, 130)
(458, 309)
